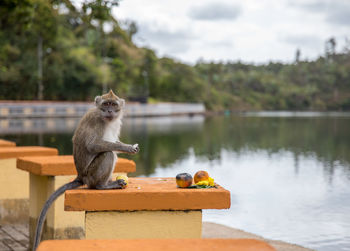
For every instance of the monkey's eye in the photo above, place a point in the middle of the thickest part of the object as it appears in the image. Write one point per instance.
(106, 104)
(114, 104)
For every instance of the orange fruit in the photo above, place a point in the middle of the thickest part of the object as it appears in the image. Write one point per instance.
(201, 176)
(183, 180)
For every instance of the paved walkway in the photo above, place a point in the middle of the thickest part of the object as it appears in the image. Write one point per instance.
(15, 237)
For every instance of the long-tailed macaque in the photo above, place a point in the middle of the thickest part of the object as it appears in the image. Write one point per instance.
(95, 143)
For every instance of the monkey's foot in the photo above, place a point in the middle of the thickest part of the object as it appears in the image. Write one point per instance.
(118, 184)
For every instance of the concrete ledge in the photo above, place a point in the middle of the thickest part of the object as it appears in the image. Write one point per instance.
(14, 183)
(64, 165)
(59, 224)
(157, 245)
(23, 151)
(147, 194)
(47, 174)
(6, 143)
(146, 208)
(210, 230)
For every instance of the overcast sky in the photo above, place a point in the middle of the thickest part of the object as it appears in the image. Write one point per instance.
(255, 31)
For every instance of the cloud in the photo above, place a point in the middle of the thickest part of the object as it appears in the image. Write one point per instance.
(313, 6)
(337, 12)
(165, 39)
(220, 44)
(301, 40)
(254, 31)
(340, 16)
(215, 11)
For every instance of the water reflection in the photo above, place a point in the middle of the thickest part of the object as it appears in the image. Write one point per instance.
(289, 176)
(324, 139)
(271, 199)
(166, 140)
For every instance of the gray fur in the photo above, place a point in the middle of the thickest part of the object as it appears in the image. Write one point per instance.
(94, 156)
(91, 151)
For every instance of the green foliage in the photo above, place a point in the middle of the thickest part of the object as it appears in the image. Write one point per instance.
(80, 59)
(323, 84)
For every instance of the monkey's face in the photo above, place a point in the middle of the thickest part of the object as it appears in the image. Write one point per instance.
(110, 105)
(111, 109)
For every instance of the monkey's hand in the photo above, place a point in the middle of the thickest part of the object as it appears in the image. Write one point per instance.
(134, 149)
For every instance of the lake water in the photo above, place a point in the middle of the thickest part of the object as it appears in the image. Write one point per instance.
(288, 173)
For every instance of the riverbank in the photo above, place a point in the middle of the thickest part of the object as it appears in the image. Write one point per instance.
(50, 109)
(213, 230)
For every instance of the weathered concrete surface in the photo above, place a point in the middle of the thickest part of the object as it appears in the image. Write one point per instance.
(213, 230)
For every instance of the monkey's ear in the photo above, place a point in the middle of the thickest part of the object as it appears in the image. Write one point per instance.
(98, 100)
(121, 102)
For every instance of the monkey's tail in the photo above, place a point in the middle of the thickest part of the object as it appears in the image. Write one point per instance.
(39, 226)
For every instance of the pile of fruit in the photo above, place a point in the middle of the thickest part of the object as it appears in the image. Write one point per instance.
(201, 180)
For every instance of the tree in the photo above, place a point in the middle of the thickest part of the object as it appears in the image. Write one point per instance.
(330, 47)
(131, 28)
(100, 11)
(297, 56)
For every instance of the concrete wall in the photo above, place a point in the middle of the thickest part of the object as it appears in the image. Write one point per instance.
(67, 125)
(44, 109)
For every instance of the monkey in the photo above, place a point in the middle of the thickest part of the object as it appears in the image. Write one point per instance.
(95, 144)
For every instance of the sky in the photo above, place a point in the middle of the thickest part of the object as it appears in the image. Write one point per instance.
(253, 31)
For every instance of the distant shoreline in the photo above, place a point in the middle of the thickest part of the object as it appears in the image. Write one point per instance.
(11, 109)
